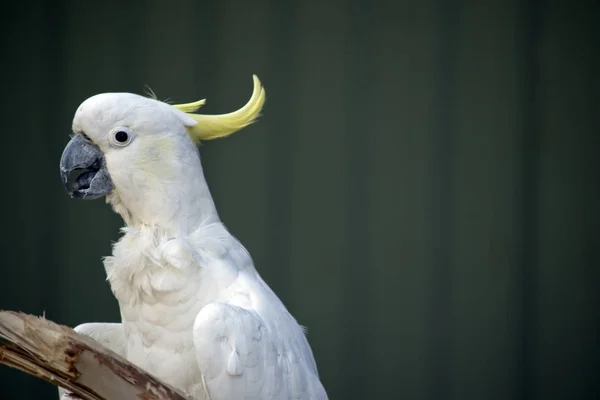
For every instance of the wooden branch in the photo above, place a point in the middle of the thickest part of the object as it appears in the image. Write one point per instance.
(59, 355)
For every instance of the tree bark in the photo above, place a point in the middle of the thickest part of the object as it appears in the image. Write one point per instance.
(77, 363)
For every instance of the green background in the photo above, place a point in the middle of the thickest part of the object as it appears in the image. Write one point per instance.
(422, 190)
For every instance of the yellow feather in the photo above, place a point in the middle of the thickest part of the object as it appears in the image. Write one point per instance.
(190, 107)
(215, 126)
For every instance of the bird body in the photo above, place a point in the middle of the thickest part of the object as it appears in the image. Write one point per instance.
(194, 310)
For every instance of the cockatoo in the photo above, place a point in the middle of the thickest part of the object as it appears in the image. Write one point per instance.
(195, 313)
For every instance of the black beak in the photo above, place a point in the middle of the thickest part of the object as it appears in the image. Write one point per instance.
(83, 170)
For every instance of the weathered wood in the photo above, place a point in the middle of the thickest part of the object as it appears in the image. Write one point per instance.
(59, 355)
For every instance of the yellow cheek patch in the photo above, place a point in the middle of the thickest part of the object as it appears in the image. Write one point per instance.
(154, 157)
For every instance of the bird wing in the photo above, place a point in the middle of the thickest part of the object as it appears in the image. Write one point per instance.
(241, 352)
(240, 358)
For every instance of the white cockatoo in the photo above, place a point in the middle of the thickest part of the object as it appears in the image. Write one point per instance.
(194, 311)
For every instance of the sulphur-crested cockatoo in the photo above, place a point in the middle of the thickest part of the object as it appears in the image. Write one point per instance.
(194, 310)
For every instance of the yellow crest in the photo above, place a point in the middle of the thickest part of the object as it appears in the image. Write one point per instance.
(215, 126)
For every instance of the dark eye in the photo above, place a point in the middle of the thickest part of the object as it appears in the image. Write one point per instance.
(121, 136)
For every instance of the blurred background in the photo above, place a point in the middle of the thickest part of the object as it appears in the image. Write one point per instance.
(422, 190)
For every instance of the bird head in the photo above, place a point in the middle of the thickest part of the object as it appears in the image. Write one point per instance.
(141, 153)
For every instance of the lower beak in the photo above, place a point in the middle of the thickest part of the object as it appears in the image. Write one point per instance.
(83, 170)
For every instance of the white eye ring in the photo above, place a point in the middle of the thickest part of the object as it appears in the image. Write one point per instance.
(120, 137)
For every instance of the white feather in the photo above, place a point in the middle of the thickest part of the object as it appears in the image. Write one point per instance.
(195, 312)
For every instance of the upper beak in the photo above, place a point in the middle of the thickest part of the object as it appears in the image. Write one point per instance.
(83, 170)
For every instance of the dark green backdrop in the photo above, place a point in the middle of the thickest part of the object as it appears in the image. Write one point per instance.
(422, 191)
